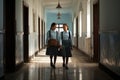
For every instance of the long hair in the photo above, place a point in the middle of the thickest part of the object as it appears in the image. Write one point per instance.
(66, 25)
(52, 25)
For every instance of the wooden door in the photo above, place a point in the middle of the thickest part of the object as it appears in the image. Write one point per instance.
(10, 27)
(77, 34)
(96, 42)
(26, 33)
(39, 33)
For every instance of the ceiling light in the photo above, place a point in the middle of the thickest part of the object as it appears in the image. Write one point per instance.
(58, 14)
(58, 6)
(58, 17)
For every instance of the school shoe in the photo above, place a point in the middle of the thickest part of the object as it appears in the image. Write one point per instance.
(52, 65)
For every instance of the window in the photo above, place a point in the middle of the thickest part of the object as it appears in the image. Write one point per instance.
(74, 27)
(80, 24)
(34, 26)
(88, 19)
(59, 27)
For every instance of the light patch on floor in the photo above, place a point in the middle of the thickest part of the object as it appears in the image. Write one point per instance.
(46, 59)
(43, 58)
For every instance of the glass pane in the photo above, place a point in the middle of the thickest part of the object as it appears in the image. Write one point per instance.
(61, 25)
(61, 29)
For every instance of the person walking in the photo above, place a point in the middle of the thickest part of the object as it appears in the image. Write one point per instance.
(52, 44)
(66, 42)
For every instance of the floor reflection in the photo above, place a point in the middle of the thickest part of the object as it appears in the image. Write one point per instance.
(80, 68)
(52, 74)
(44, 72)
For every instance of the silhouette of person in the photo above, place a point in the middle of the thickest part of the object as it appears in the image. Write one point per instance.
(66, 42)
(52, 50)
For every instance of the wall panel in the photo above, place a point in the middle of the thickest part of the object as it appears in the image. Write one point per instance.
(110, 50)
(1, 39)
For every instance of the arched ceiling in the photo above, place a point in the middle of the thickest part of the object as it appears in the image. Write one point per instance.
(68, 6)
(50, 6)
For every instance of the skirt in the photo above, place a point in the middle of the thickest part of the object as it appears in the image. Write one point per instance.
(52, 50)
(67, 48)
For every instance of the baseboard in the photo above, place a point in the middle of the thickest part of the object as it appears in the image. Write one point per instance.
(36, 52)
(85, 54)
(109, 72)
(19, 66)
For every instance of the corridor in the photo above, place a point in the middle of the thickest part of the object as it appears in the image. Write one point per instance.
(80, 68)
(95, 30)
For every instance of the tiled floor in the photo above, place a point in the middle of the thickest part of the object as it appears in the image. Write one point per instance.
(80, 68)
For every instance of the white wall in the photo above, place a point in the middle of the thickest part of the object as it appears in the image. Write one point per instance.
(109, 15)
(36, 8)
(19, 31)
(33, 7)
(84, 42)
(110, 34)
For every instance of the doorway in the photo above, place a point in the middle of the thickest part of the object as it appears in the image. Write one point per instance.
(96, 41)
(10, 32)
(39, 33)
(77, 32)
(26, 33)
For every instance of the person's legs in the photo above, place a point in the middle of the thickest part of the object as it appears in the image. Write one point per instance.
(67, 59)
(55, 57)
(63, 61)
(51, 63)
